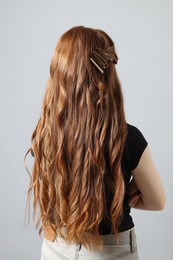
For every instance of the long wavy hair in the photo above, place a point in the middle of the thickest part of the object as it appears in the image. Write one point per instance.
(78, 142)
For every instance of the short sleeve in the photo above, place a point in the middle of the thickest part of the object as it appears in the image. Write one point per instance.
(134, 148)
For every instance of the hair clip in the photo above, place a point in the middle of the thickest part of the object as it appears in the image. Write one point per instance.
(96, 65)
(100, 59)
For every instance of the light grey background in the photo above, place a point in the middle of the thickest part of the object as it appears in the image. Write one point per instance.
(143, 36)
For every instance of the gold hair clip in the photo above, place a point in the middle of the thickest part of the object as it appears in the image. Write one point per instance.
(100, 59)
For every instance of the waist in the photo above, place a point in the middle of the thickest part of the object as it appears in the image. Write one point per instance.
(108, 239)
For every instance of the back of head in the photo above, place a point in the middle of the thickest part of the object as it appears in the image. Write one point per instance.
(71, 56)
(80, 136)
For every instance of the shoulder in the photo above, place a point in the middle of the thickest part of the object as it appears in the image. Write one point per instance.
(134, 134)
(133, 130)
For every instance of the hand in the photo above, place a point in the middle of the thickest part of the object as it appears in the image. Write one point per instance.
(134, 194)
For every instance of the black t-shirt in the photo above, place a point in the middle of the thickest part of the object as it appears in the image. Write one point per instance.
(134, 147)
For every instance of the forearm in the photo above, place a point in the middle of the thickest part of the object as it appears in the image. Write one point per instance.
(143, 205)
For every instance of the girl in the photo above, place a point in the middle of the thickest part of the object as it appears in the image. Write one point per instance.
(90, 165)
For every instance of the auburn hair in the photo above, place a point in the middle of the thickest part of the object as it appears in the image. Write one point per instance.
(78, 142)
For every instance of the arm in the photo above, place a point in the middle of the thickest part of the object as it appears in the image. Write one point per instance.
(147, 182)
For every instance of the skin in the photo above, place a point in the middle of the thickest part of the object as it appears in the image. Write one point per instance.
(146, 191)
